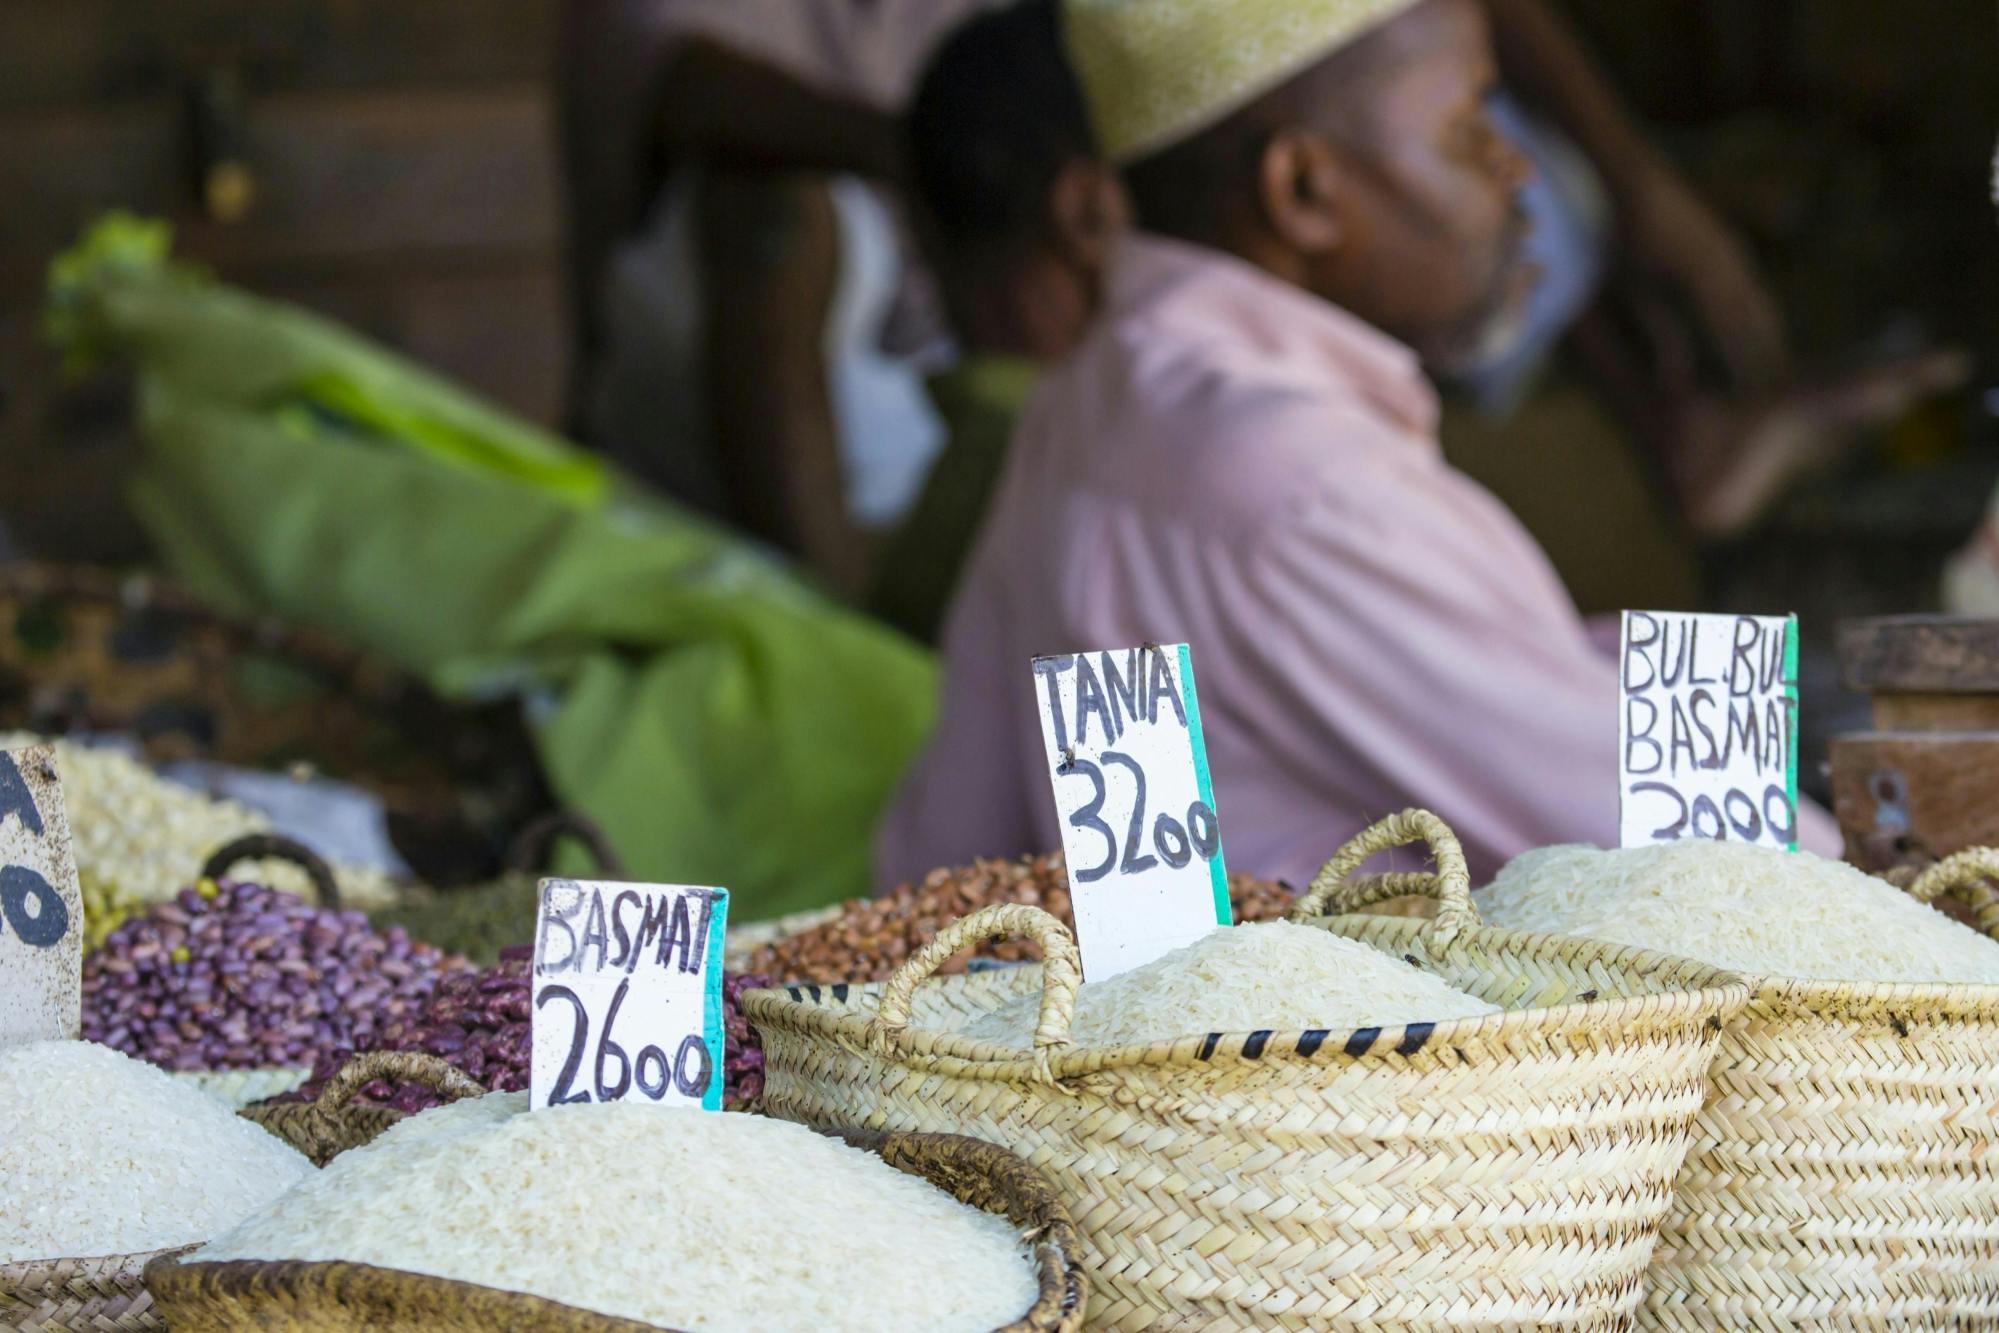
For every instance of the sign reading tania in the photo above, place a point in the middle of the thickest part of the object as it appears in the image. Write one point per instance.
(41, 906)
(1130, 772)
(627, 994)
(1708, 729)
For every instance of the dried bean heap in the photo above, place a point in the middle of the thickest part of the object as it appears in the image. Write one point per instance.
(873, 937)
(239, 976)
(479, 1021)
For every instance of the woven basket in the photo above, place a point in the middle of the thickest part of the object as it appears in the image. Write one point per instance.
(106, 1291)
(337, 1298)
(1506, 1172)
(1845, 1174)
(330, 1124)
(58, 1295)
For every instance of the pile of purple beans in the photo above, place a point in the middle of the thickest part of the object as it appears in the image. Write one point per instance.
(238, 976)
(479, 1021)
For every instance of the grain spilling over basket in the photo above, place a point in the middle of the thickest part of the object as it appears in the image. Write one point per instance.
(1845, 1174)
(627, 1216)
(1500, 1172)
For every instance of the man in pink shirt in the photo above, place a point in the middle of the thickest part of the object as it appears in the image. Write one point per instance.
(1243, 456)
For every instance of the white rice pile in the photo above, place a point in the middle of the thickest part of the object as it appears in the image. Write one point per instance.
(1754, 909)
(1245, 979)
(102, 1154)
(680, 1218)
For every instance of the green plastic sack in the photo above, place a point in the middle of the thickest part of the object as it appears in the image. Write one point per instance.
(722, 722)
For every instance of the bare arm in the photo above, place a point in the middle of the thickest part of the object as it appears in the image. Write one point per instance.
(1672, 237)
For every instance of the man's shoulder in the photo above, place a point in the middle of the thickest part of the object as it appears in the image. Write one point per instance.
(1243, 440)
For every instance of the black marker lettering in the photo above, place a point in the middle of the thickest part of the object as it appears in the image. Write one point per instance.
(1049, 669)
(1123, 690)
(1742, 657)
(700, 958)
(45, 926)
(1636, 735)
(1090, 699)
(628, 952)
(553, 920)
(1161, 685)
(1640, 632)
(595, 931)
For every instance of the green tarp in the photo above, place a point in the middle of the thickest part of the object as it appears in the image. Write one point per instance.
(723, 722)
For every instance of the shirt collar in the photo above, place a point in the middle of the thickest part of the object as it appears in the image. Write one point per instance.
(1205, 293)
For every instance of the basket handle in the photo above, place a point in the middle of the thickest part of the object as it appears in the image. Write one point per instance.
(1061, 968)
(275, 847)
(1969, 876)
(1333, 893)
(441, 1077)
(538, 836)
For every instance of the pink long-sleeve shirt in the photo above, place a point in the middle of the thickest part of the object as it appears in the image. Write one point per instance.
(1230, 462)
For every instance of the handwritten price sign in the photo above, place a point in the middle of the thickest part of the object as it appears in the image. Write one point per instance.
(1130, 773)
(41, 906)
(1708, 729)
(628, 994)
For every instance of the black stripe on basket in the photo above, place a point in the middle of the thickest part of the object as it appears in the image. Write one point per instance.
(797, 995)
(840, 992)
(1311, 1040)
(813, 991)
(1414, 1036)
(1208, 1044)
(1253, 1044)
(1361, 1040)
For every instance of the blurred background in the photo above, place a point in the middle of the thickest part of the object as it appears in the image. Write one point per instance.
(399, 167)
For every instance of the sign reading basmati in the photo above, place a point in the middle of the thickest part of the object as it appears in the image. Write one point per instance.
(1707, 729)
(41, 906)
(628, 993)
(1130, 772)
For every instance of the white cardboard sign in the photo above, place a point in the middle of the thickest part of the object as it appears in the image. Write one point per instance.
(1139, 827)
(628, 994)
(1707, 729)
(41, 905)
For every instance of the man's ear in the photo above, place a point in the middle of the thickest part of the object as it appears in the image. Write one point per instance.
(1301, 182)
(1088, 210)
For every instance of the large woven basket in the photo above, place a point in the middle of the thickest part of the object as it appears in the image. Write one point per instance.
(1506, 1172)
(351, 1298)
(106, 1291)
(1845, 1174)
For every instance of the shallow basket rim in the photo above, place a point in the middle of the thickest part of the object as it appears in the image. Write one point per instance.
(1958, 1000)
(13, 1271)
(1707, 994)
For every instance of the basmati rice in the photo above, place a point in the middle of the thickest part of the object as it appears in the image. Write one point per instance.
(101, 1154)
(1243, 979)
(1755, 909)
(679, 1218)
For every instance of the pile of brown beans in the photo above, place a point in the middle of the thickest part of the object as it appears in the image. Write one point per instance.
(871, 938)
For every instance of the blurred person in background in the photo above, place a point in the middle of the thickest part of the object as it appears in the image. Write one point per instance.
(1640, 279)
(1662, 304)
(750, 338)
(1017, 216)
(1242, 454)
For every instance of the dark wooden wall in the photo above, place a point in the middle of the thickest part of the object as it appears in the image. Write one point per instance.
(402, 159)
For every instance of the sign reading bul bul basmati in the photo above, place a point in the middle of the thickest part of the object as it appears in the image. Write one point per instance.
(628, 994)
(1707, 730)
(41, 906)
(1130, 769)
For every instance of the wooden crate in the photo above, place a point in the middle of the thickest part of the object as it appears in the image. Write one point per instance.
(1924, 782)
